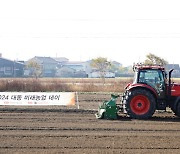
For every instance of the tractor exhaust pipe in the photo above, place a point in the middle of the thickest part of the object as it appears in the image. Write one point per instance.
(169, 87)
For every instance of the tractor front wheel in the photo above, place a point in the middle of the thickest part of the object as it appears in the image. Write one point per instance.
(140, 104)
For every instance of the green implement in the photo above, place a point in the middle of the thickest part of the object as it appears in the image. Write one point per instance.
(108, 109)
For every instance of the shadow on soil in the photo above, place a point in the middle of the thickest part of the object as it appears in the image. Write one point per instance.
(165, 119)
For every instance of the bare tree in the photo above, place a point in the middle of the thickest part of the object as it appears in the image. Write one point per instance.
(102, 65)
(152, 59)
(35, 68)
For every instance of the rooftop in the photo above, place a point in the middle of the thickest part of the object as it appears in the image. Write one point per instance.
(46, 59)
(142, 66)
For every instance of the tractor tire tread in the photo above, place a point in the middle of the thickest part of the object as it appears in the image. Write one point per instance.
(131, 94)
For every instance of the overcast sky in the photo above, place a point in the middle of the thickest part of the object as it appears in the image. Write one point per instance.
(121, 30)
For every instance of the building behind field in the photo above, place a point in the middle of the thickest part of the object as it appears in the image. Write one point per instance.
(10, 68)
(47, 64)
(63, 68)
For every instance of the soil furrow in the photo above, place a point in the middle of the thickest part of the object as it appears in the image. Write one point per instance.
(84, 129)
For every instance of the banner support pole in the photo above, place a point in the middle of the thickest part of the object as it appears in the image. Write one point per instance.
(77, 100)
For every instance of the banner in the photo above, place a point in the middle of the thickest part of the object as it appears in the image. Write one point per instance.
(37, 98)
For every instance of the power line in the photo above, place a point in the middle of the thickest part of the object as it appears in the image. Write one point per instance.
(91, 37)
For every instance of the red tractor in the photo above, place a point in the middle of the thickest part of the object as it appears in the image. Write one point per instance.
(150, 91)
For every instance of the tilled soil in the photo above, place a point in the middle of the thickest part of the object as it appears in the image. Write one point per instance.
(69, 130)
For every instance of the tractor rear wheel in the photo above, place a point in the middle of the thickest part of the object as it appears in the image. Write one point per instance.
(177, 110)
(140, 104)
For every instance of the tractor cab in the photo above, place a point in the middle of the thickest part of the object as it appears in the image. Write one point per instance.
(153, 76)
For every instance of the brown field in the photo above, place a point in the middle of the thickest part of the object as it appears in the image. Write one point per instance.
(59, 129)
(66, 84)
(60, 84)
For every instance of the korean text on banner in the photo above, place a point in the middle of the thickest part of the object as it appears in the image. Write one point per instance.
(37, 98)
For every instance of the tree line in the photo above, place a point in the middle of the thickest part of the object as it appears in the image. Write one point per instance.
(102, 65)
